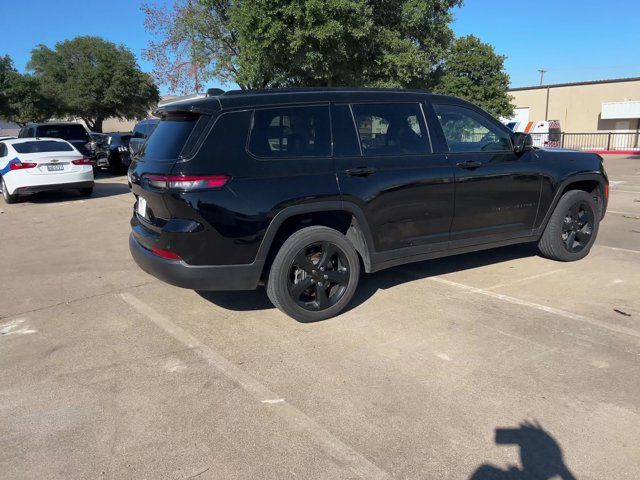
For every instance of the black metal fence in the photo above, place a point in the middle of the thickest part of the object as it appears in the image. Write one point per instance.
(588, 141)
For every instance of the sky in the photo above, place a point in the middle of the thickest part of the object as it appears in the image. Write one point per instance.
(574, 40)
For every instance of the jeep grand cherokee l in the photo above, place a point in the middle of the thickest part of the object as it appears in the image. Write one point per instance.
(301, 189)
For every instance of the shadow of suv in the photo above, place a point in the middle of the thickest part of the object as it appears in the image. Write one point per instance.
(301, 189)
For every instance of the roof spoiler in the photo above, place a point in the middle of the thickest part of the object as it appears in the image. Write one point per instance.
(214, 92)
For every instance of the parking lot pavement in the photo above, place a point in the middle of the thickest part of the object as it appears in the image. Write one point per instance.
(432, 373)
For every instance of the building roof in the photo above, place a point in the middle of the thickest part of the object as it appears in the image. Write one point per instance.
(573, 84)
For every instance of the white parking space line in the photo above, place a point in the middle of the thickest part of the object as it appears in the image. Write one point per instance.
(628, 214)
(617, 249)
(525, 279)
(616, 190)
(61, 204)
(544, 308)
(332, 446)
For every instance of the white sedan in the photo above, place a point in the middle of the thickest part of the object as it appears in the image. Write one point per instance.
(30, 165)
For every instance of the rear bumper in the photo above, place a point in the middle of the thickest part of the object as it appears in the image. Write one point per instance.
(23, 182)
(56, 186)
(195, 277)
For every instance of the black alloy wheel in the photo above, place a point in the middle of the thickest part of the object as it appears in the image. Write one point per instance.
(578, 227)
(314, 274)
(572, 227)
(319, 276)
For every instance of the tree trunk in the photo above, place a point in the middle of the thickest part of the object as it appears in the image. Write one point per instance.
(94, 125)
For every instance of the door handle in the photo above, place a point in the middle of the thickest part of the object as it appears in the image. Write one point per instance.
(469, 164)
(361, 171)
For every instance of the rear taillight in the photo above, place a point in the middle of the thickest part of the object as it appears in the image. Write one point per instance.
(606, 191)
(187, 182)
(22, 166)
(82, 161)
(168, 254)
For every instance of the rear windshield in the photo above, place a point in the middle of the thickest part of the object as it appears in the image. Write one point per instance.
(42, 146)
(67, 132)
(169, 138)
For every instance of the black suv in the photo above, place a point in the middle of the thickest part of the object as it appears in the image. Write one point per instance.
(301, 189)
(74, 133)
(113, 152)
(142, 130)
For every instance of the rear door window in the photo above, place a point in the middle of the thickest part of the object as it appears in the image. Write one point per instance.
(42, 146)
(391, 128)
(291, 132)
(171, 135)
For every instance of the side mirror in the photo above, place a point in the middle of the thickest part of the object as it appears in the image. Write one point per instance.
(523, 142)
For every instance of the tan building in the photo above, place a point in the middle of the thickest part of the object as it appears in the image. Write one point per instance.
(585, 107)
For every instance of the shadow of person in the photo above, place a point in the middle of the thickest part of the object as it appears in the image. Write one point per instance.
(540, 455)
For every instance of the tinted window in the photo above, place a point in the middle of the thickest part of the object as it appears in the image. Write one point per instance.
(468, 131)
(391, 128)
(291, 132)
(3, 150)
(42, 146)
(119, 139)
(67, 132)
(345, 138)
(169, 137)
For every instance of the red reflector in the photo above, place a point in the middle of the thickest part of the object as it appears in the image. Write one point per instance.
(22, 166)
(606, 191)
(82, 161)
(187, 182)
(168, 254)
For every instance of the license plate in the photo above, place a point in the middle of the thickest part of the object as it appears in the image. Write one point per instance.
(142, 207)
(55, 168)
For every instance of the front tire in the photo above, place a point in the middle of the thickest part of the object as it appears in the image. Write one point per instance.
(314, 274)
(572, 228)
(8, 198)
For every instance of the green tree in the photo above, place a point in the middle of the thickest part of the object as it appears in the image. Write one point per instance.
(7, 74)
(28, 103)
(473, 71)
(21, 97)
(272, 43)
(92, 79)
(193, 43)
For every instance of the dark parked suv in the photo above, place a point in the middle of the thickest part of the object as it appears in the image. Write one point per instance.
(74, 133)
(301, 189)
(142, 130)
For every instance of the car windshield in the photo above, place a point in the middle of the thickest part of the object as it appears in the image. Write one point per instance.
(42, 146)
(67, 132)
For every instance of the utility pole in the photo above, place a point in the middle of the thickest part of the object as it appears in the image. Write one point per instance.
(542, 72)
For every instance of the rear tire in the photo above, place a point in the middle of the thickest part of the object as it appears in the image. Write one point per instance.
(86, 192)
(8, 198)
(314, 274)
(572, 228)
